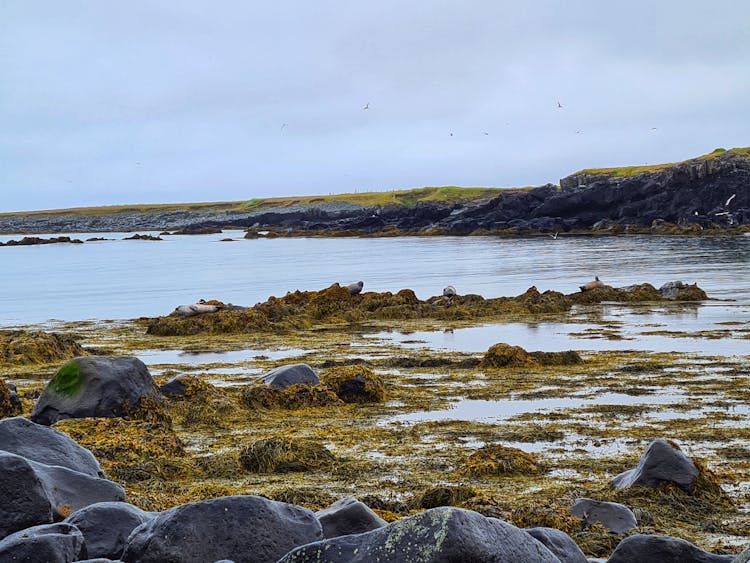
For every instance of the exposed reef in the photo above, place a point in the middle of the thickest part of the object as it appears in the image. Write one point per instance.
(335, 304)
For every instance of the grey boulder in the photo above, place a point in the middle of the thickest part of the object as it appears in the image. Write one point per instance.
(642, 548)
(244, 529)
(616, 517)
(444, 534)
(43, 444)
(742, 557)
(35, 493)
(293, 374)
(106, 526)
(661, 462)
(175, 386)
(51, 543)
(94, 386)
(348, 516)
(559, 543)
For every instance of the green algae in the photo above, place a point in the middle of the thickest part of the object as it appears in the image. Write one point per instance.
(68, 380)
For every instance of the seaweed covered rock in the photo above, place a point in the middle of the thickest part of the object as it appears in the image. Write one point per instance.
(564, 358)
(34, 493)
(292, 374)
(679, 291)
(355, 384)
(193, 401)
(244, 529)
(504, 355)
(294, 397)
(95, 386)
(662, 549)
(22, 347)
(130, 450)
(10, 403)
(106, 526)
(348, 516)
(614, 516)
(559, 543)
(437, 535)
(442, 495)
(495, 459)
(43, 444)
(51, 543)
(282, 455)
(663, 461)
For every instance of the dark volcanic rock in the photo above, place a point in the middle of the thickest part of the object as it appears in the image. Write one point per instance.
(662, 549)
(25, 501)
(559, 543)
(107, 525)
(10, 402)
(444, 534)
(348, 516)
(45, 445)
(94, 386)
(293, 374)
(244, 529)
(28, 241)
(51, 543)
(661, 462)
(616, 517)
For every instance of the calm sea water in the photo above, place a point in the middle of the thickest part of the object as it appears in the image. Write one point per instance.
(119, 279)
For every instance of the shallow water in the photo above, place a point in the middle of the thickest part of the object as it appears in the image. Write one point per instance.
(118, 279)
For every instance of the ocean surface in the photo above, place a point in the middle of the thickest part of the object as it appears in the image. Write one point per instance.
(122, 279)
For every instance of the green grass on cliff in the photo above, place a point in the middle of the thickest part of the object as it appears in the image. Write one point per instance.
(627, 171)
(408, 198)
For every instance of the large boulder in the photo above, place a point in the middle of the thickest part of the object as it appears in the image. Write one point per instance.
(244, 529)
(559, 543)
(293, 374)
(94, 386)
(442, 534)
(43, 444)
(51, 543)
(34, 493)
(662, 549)
(663, 461)
(348, 516)
(106, 526)
(614, 516)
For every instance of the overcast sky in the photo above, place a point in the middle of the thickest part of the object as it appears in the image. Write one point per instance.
(165, 101)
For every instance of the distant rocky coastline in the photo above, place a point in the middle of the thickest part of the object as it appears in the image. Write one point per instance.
(704, 195)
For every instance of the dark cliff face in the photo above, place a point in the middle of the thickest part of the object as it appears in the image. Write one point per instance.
(713, 192)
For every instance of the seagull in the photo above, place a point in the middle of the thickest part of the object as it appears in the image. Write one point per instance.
(553, 236)
(485, 132)
(366, 106)
(559, 105)
(283, 125)
(654, 129)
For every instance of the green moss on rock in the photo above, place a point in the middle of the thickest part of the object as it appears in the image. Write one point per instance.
(67, 380)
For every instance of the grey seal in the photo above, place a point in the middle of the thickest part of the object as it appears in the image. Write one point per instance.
(355, 288)
(592, 284)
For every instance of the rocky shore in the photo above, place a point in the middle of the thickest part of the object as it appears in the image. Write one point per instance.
(709, 194)
(102, 459)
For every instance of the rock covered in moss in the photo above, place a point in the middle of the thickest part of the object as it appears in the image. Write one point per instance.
(559, 543)
(51, 543)
(43, 444)
(282, 455)
(495, 459)
(22, 347)
(348, 516)
(244, 529)
(10, 402)
(614, 516)
(662, 549)
(437, 535)
(292, 374)
(355, 384)
(95, 386)
(106, 526)
(663, 461)
(504, 355)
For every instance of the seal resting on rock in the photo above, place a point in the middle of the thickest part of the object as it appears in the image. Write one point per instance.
(449, 291)
(196, 309)
(592, 284)
(355, 288)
